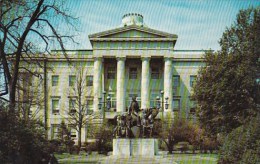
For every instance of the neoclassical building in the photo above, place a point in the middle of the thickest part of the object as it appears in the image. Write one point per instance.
(132, 60)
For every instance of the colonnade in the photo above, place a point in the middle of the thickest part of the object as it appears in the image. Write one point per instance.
(121, 86)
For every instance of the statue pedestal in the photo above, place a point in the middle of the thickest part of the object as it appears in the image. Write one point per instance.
(135, 147)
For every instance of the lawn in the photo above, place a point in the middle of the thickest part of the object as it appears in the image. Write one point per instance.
(178, 158)
(194, 158)
(82, 158)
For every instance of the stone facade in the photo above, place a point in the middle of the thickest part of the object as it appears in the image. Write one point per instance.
(132, 60)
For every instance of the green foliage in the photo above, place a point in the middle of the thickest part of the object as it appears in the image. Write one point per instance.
(181, 132)
(226, 89)
(242, 145)
(63, 143)
(21, 142)
(172, 132)
(103, 134)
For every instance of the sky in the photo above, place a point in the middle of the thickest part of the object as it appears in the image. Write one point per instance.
(199, 24)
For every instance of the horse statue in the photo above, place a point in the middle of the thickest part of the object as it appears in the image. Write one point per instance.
(130, 125)
(148, 118)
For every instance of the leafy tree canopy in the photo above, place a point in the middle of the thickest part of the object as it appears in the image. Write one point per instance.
(227, 89)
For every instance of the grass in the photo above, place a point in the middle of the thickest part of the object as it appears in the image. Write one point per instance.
(67, 158)
(194, 158)
(178, 158)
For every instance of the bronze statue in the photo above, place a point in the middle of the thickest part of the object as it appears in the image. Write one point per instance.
(148, 120)
(134, 109)
(127, 124)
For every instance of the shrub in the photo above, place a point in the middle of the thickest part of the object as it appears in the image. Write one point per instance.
(171, 132)
(22, 142)
(90, 146)
(103, 134)
(242, 145)
(182, 146)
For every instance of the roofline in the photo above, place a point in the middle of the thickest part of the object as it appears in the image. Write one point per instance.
(194, 50)
(121, 29)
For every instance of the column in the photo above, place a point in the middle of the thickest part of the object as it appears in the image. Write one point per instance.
(121, 88)
(97, 82)
(145, 84)
(168, 82)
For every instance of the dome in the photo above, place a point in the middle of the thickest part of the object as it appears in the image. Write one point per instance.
(132, 19)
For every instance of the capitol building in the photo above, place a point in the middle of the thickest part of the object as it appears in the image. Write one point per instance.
(130, 60)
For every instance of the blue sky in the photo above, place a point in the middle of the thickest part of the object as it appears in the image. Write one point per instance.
(199, 24)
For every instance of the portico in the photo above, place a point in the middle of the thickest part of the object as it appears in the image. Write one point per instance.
(117, 53)
(124, 84)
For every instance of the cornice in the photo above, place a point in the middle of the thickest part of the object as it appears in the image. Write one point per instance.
(133, 39)
(135, 27)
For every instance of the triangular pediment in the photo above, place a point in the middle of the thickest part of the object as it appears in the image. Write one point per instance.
(133, 32)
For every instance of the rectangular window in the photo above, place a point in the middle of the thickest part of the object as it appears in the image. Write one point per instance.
(89, 106)
(176, 84)
(193, 105)
(72, 105)
(55, 80)
(73, 131)
(155, 73)
(153, 100)
(72, 79)
(192, 80)
(111, 73)
(89, 80)
(176, 104)
(54, 131)
(55, 106)
(133, 73)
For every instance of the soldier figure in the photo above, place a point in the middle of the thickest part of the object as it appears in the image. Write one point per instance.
(134, 109)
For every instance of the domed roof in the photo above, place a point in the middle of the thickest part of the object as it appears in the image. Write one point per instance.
(132, 19)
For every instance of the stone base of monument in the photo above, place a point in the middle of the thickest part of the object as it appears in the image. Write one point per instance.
(135, 147)
(136, 151)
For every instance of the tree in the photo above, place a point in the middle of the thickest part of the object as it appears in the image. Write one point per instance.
(173, 132)
(30, 99)
(78, 114)
(103, 134)
(22, 142)
(27, 31)
(227, 90)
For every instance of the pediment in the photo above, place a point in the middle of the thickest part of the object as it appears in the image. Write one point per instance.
(132, 32)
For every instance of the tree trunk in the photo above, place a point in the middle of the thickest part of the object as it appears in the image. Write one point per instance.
(79, 138)
(12, 96)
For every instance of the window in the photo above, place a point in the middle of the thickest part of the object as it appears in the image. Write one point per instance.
(73, 132)
(193, 105)
(176, 84)
(72, 104)
(72, 79)
(54, 131)
(89, 80)
(111, 73)
(55, 106)
(89, 106)
(133, 73)
(192, 80)
(155, 73)
(153, 100)
(55, 80)
(176, 104)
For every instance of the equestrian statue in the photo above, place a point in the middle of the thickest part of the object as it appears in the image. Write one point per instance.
(131, 125)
